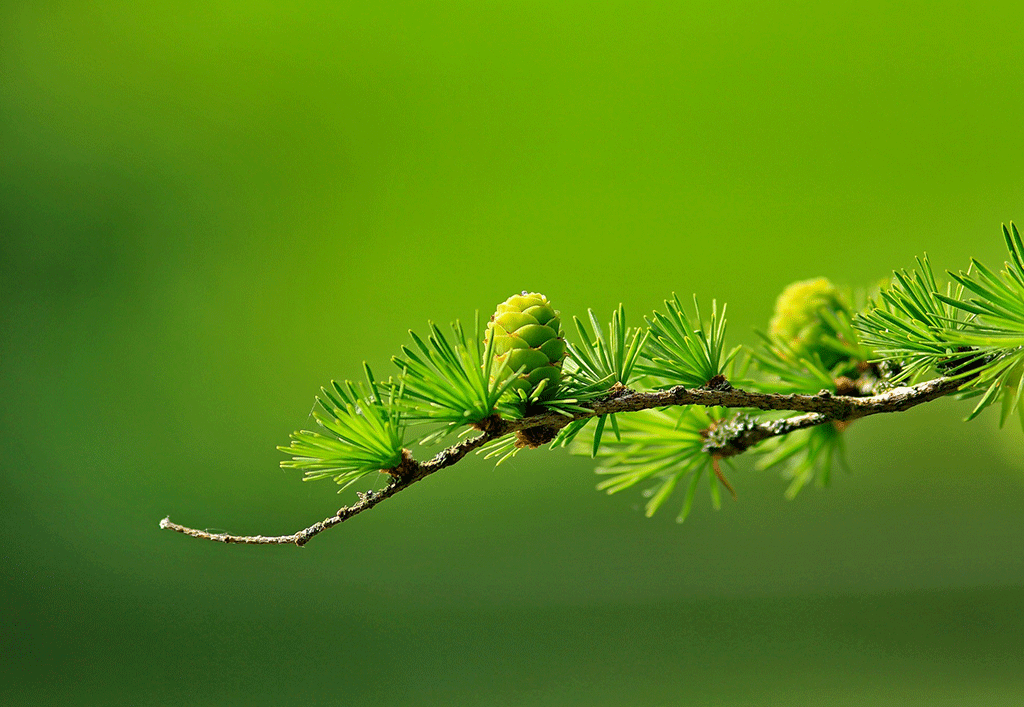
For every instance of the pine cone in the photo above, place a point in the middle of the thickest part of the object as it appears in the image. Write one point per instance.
(528, 333)
(797, 320)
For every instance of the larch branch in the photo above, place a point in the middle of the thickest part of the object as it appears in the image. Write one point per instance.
(730, 440)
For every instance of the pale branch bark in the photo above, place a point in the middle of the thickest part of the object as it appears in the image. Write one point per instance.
(737, 436)
(730, 438)
(834, 407)
(414, 471)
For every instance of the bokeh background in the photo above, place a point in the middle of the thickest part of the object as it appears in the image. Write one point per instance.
(209, 209)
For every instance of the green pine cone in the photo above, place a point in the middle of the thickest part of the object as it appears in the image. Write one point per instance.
(797, 320)
(528, 333)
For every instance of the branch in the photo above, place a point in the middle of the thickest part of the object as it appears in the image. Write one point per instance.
(412, 471)
(730, 439)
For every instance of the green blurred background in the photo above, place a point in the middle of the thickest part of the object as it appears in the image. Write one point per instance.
(210, 209)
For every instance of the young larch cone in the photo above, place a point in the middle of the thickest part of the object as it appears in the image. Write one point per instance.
(528, 334)
(798, 321)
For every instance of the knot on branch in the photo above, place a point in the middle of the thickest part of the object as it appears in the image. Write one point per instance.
(534, 437)
(617, 391)
(493, 425)
(730, 437)
(719, 382)
(407, 468)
